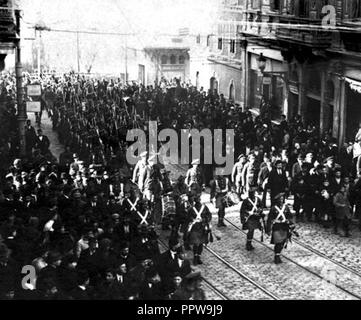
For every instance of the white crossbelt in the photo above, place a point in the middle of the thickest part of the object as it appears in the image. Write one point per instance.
(197, 219)
(254, 204)
(281, 214)
(199, 213)
(133, 205)
(133, 208)
(144, 218)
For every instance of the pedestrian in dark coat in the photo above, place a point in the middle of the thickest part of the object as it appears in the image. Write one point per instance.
(277, 181)
(342, 211)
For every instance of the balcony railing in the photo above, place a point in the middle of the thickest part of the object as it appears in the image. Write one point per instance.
(307, 32)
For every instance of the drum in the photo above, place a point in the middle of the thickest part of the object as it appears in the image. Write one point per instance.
(232, 199)
(280, 233)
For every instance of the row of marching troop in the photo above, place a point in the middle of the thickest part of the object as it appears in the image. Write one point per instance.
(88, 222)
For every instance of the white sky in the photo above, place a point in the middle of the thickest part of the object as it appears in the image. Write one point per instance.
(146, 17)
(150, 15)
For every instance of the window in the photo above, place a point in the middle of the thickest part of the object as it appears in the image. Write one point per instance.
(173, 59)
(303, 9)
(275, 5)
(355, 9)
(164, 59)
(220, 43)
(232, 48)
(181, 60)
(256, 4)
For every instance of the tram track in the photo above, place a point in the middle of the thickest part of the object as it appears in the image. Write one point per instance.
(208, 284)
(319, 254)
(354, 295)
(252, 289)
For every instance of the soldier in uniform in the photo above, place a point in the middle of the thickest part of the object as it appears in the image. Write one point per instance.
(139, 169)
(220, 186)
(249, 173)
(251, 216)
(280, 224)
(237, 173)
(152, 188)
(195, 178)
(199, 228)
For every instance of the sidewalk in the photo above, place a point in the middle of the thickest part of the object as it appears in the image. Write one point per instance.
(46, 125)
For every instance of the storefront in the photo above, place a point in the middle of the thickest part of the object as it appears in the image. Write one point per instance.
(266, 85)
(353, 107)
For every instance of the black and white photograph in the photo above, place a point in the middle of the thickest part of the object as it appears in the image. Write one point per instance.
(201, 151)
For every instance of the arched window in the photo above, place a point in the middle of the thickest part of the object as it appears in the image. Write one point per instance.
(164, 59)
(172, 59)
(231, 91)
(181, 60)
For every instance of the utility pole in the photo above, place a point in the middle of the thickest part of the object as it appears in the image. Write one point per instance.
(78, 50)
(22, 115)
(39, 51)
(126, 59)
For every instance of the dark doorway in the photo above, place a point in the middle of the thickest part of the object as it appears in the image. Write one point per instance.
(313, 112)
(292, 105)
(214, 85)
(353, 113)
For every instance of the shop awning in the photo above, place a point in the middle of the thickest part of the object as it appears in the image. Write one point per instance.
(354, 84)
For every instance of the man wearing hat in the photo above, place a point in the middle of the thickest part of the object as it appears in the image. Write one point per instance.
(42, 142)
(152, 287)
(165, 260)
(280, 225)
(139, 169)
(74, 166)
(220, 187)
(190, 289)
(263, 177)
(52, 270)
(195, 178)
(297, 166)
(277, 181)
(251, 215)
(8, 269)
(330, 165)
(250, 173)
(237, 173)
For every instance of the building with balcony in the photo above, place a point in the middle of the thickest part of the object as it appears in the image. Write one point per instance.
(300, 57)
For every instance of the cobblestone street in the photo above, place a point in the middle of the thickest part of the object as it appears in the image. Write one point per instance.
(319, 274)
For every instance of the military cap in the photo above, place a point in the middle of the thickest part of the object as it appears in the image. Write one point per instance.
(195, 162)
(279, 196)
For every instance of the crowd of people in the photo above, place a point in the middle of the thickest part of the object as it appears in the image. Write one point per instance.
(88, 221)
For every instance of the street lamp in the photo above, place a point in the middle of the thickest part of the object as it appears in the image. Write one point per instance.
(262, 63)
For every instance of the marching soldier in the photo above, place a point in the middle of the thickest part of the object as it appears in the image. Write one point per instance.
(199, 228)
(220, 186)
(195, 178)
(280, 224)
(252, 216)
(237, 173)
(249, 173)
(139, 169)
